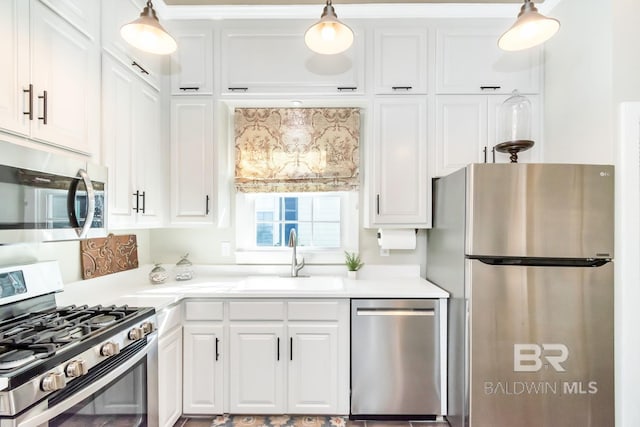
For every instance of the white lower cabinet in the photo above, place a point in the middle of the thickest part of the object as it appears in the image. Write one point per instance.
(280, 357)
(256, 368)
(313, 368)
(170, 378)
(204, 355)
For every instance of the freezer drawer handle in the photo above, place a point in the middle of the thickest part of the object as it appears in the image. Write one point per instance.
(395, 312)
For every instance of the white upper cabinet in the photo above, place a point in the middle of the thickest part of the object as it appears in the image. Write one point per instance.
(51, 92)
(82, 14)
(456, 145)
(468, 60)
(192, 160)
(400, 56)
(133, 148)
(273, 59)
(399, 189)
(14, 49)
(116, 13)
(192, 62)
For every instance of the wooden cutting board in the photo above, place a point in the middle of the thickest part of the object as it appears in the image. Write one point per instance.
(107, 255)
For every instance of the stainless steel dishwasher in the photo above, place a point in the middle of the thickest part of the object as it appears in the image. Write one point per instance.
(395, 359)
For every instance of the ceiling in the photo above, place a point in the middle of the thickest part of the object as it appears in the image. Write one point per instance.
(298, 2)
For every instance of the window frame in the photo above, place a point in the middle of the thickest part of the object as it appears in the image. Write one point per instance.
(247, 252)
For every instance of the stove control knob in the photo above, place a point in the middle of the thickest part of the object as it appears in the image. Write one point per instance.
(76, 368)
(53, 381)
(110, 349)
(147, 327)
(136, 334)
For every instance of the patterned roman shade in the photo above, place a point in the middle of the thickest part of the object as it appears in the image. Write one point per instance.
(297, 149)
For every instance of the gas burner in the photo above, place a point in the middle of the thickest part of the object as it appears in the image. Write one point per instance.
(103, 320)
(14, 359)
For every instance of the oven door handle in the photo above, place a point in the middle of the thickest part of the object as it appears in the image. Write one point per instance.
(53, 412)
(91, 204)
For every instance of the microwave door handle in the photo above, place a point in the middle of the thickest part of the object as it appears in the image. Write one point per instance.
(49, 414)
(91, 204)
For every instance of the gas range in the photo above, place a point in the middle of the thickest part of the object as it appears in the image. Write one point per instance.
(46, 351)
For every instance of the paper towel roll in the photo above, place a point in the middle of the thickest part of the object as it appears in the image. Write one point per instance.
(397, 239)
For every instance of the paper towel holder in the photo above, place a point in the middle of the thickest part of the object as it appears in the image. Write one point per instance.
(378, 233)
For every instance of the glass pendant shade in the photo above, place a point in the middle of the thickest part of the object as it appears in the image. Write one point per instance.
(530, 29)
(146, 33)
(328, 36)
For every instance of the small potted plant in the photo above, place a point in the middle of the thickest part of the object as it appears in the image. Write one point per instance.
(353, 262)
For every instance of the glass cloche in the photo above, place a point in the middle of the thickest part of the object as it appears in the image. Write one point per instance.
(158, 274)
(184, 268)
(514, 131)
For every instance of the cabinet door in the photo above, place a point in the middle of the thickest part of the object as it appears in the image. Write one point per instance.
(65, 68)
(118, 87)
(115, 14)
(203, 371)
(399, 156)
(400, 60)
(256, 369)
(82, 14)
(273, 59)
(191, 160)
(192, 63)
(313, 369)
(461, 132)
(14, 49)
(149, 155)
(470, 61)
(170, 378)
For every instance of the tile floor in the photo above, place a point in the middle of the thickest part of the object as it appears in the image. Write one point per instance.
(295, 421)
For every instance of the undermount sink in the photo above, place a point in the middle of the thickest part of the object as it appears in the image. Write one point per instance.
(286, 283)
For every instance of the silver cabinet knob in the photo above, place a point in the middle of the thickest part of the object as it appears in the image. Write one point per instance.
(110, 349)
(53, 381)
(76, 368)
(136, 334)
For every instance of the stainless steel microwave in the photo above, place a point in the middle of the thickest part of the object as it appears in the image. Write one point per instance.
(49, 197)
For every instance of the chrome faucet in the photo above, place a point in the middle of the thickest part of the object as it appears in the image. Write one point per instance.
(293, 243)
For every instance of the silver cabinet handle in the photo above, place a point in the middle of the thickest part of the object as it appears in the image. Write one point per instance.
(395, 312)
(30, 92)
(44, 98)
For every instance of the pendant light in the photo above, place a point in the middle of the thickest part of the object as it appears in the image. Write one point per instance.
(530, 29)
(146, 33)
(328, 36)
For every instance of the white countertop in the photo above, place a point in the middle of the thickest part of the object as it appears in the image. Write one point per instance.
(133, 287)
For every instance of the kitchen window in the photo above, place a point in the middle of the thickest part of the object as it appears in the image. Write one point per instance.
(296, 169)
(326, 225)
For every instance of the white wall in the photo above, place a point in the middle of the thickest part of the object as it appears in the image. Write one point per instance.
(578, 85)
(66, 253)
(591, 67)
(204, 247)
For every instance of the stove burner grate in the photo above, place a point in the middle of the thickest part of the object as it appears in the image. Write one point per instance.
(16, 358)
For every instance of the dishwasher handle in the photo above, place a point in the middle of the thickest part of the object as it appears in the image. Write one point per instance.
(388, 311)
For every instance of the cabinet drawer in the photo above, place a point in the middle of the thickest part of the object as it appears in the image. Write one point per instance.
(314, 310)
(256, 310)
(169, 318)
(203, 310)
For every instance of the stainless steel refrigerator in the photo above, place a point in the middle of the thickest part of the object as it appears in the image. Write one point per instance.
(526, 252)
